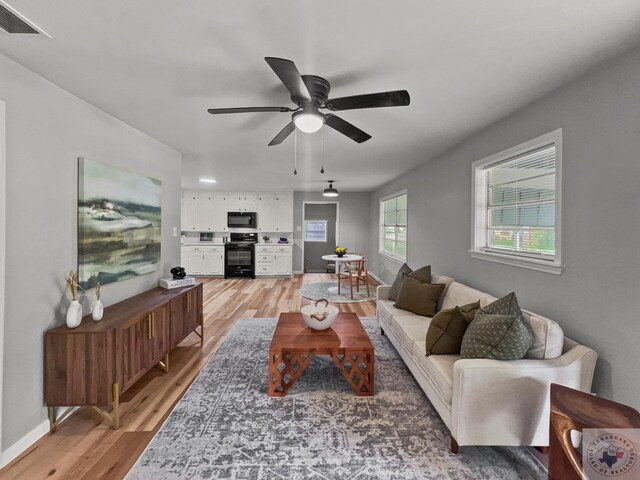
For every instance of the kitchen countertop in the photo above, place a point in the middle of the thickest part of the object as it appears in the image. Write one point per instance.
(220, 244)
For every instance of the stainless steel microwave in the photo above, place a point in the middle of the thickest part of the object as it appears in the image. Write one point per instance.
(242, 220)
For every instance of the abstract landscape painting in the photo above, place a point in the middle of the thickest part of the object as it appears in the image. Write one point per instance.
(118, 223)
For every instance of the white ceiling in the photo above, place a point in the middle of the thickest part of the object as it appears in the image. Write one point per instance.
(159, 64)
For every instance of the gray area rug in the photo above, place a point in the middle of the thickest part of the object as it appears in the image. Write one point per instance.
(227, 427)
(316, 291)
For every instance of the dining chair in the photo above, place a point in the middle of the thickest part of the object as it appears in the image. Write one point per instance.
(573, 410)
(356, 270)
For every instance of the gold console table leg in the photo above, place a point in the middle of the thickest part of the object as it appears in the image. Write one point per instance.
(114, 417)
(53, 421)
(164, 364)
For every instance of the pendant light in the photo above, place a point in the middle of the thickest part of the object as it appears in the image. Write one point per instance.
(330, 192)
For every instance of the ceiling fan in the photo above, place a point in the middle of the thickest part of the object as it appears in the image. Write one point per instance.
(311, 93)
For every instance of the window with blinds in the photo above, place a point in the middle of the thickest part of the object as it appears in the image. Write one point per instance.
(517, 202)
(393, 226)
(315, 230)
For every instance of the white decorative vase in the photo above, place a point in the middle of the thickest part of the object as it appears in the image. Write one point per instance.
(97, 310)
(74, 314)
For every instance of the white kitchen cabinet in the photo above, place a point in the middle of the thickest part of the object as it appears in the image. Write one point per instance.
(273, 260)
(184, 259)
(283, 212)
(266, 212)
(196, 261)
(207, 260)
(214, 262)
(283, 264)
(188, 212)
(219, 213)
(205, 212)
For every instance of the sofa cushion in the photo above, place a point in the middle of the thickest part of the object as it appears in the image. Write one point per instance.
(397, 283)
(439, 368)
(460, 294)
(447, 328)
(410, 328)
(446, 281)
(388, 311)
(419, 297)
(548, 337)
(497, 336)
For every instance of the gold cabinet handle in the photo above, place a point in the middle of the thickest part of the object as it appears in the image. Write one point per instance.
(150, 334)
(188, 302)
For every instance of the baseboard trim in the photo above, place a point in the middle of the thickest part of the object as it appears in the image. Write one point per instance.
(376, 278)
(25, 443)
(298, 272)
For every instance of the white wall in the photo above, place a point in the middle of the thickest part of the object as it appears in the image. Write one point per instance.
(353, 221)
(594, 300)
(47, 129)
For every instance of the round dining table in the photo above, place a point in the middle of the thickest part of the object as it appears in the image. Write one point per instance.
(338, 260)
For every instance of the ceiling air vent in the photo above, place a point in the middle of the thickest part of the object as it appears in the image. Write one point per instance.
(14, 23)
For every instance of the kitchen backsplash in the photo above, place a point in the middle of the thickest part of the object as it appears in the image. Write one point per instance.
(189, 238)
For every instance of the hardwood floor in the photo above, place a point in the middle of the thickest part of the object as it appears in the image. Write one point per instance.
(86, 447)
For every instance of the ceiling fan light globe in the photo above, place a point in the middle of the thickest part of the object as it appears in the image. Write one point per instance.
(308, 122)
(330, 192)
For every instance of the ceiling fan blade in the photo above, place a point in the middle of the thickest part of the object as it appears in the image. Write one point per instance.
(248, 110)
(290, 76)
(344, 127)
(397, 98)
(284, 133)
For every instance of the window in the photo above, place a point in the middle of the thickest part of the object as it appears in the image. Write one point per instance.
(393, 226)
(517, 205)
(315, 230)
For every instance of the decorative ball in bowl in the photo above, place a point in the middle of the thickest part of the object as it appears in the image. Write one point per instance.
(340, 251)
(319, 317)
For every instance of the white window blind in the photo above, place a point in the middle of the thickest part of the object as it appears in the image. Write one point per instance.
(315, 231)
(393, 226)
(517, 201)
(520, 203)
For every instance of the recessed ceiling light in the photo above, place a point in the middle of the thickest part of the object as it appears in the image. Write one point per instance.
(207, 180)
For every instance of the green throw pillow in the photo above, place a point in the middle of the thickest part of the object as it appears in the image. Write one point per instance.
(447, 329)
(492, 335)
(397, 283)
(419, 297)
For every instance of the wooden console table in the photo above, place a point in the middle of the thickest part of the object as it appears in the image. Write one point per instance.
(96, 362)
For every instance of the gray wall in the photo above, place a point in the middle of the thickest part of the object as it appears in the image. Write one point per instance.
(313, 251)
(594, 300)
(353, 221)
(47, 129)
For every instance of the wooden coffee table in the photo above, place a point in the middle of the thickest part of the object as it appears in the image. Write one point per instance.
(294, 345)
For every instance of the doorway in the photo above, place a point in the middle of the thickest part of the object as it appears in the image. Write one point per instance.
(319, 234)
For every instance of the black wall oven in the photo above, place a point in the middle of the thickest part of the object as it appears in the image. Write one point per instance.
(242, 220)
(240, 255)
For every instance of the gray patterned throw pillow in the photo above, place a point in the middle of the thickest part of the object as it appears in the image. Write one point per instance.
(397, 283)
(508, 305)
(491, 335)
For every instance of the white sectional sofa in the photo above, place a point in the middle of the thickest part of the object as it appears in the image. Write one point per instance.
(482, 401)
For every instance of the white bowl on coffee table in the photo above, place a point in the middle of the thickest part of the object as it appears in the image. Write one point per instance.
(319, 316)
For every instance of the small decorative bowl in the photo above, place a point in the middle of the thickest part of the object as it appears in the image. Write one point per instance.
(319, 318)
